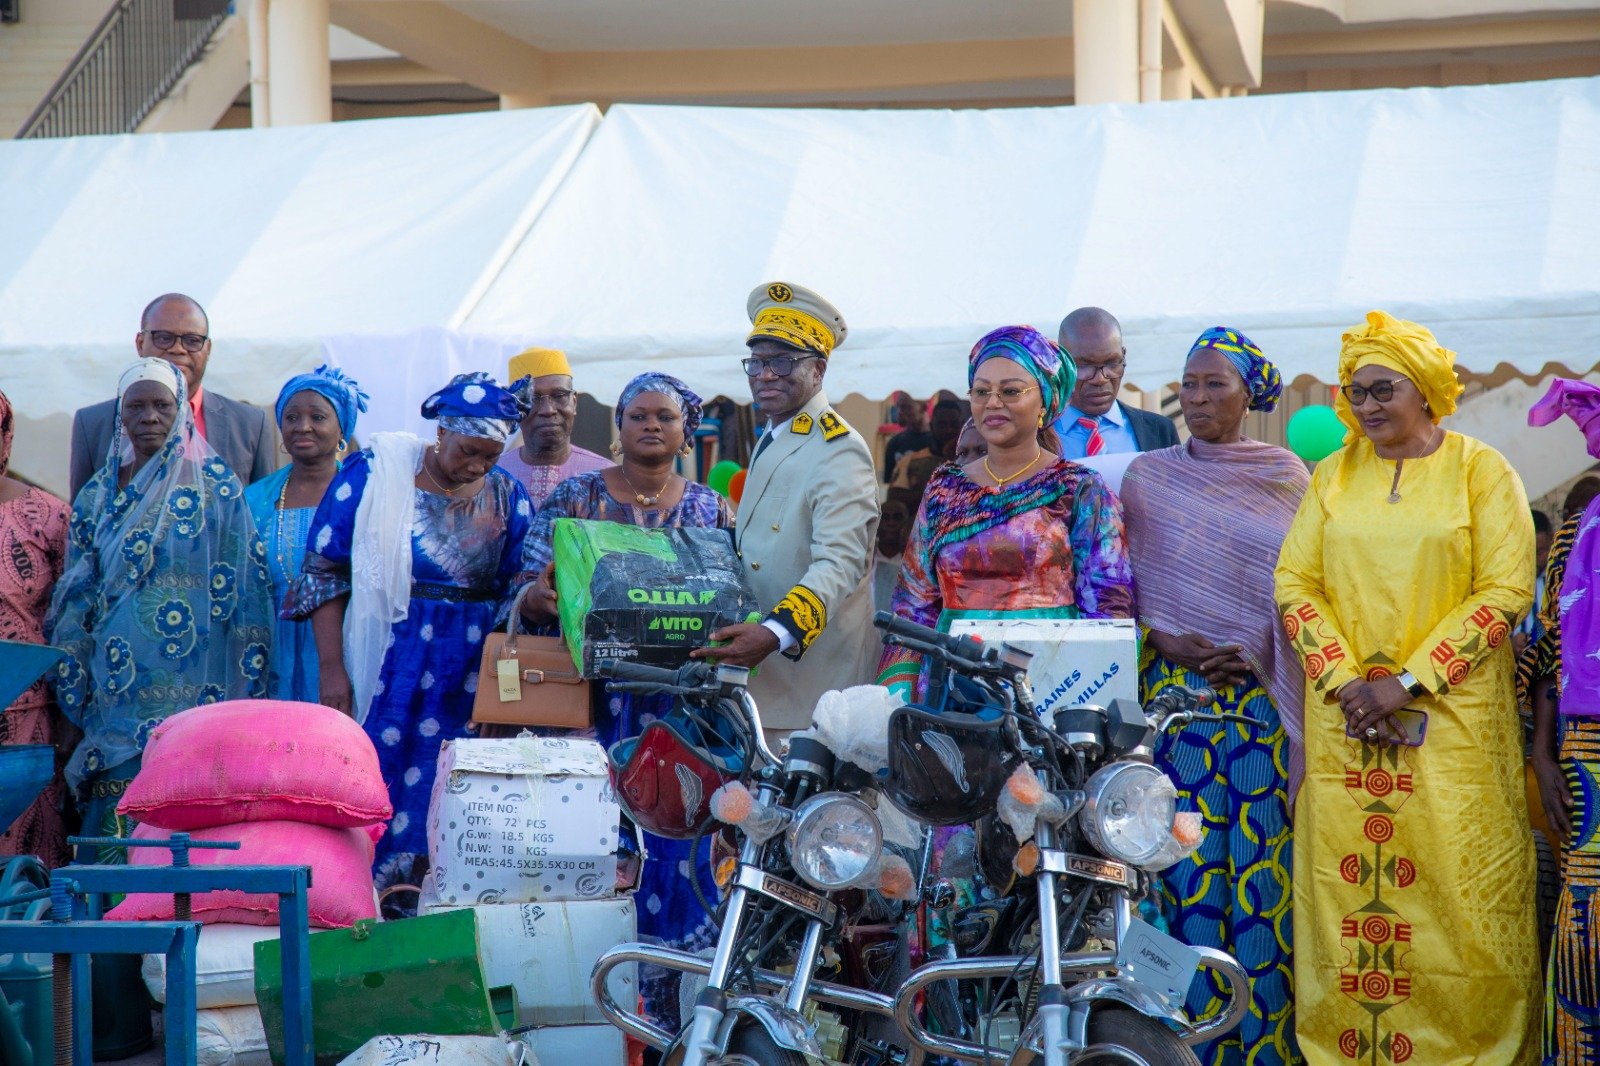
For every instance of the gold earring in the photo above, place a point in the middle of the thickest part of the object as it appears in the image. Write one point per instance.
(1041, 419)
(616, 449)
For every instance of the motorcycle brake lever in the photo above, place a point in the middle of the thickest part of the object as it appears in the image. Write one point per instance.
(1215, 716)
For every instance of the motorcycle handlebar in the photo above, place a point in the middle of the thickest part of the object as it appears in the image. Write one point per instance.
(964, 653)
(691, 679)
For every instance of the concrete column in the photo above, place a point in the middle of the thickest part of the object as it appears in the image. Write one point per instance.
(260, 98)
(300, 79)
(1105, 51)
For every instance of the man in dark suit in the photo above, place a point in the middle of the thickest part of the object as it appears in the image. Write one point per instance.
(1096, 422)
(175, 328)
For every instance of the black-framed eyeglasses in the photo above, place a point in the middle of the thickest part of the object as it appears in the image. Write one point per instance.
(1382, 391)
(781, 365)
(164, 339)
(1090, 371)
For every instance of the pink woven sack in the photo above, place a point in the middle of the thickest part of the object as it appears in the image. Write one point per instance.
(341, 874)
(258, 761)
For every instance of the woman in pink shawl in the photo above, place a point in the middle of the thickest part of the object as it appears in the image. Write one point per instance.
(1205, 522)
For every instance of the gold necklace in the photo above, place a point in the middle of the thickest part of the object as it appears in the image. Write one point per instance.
(1399, 464)
(1001, 482)
(433, 450)
(638, 497)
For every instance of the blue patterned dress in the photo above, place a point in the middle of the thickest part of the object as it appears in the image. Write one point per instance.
(669, 910)
(284, 532)
(165, 605)
(464, 555)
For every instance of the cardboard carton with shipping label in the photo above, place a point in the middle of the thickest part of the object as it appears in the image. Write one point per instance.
(521, 820)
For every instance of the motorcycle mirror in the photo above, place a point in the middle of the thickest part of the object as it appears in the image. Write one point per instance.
(1126, 726)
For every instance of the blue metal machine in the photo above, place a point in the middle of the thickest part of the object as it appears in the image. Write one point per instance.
(76, 931)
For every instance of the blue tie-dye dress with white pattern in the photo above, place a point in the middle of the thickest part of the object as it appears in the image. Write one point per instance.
(464, 556)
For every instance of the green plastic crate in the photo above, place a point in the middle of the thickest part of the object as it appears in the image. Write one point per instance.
(416, 975)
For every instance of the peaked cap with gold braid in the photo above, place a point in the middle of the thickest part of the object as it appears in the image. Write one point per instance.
(796, 316)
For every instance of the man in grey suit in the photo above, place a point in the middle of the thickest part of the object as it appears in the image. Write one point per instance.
(1096, 422)
(807, 519)
(174, 327)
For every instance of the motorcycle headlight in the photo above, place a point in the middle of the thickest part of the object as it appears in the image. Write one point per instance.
(835, 841)
(1128, 811)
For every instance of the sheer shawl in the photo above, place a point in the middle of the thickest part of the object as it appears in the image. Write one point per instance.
(165, 602)
(1205, 525)
(380, 568)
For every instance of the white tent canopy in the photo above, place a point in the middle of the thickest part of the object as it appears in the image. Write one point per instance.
(1473, 210)
(284, 235)
(409, 249)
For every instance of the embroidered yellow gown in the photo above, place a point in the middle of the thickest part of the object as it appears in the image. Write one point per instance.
(1414, 873)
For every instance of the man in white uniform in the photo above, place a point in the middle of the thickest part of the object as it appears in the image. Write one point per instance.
(807, 519)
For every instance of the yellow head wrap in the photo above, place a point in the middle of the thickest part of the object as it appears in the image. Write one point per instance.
(538, 363)
(1405, 347)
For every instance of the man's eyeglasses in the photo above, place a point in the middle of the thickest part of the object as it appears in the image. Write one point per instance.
(1382, 391)
(164, 339)
(781, 365)
(1090, 371)
(556, 398)
(1010, 395)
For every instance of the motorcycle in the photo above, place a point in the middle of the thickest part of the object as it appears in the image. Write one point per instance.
(809, 845)
(1077, 806)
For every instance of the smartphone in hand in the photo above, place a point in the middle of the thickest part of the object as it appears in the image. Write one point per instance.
(1414, 722)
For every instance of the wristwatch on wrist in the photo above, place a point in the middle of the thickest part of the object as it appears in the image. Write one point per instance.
(1412, 685)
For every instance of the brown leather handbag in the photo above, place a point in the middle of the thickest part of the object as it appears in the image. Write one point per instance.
(529, 680)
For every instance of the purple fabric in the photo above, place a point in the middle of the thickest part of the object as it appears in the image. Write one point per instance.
(541, 481)
(1580, 621)
(1051, 366)
(1579, 401)
(1205, 525)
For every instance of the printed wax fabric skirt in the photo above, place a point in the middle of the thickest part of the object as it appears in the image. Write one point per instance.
(1572, 993)
(1233, 893)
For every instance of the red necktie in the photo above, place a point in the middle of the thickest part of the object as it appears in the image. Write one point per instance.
(1097, 443)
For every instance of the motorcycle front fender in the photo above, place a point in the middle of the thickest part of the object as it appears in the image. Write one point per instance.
(1128, 993)
(787, 1028)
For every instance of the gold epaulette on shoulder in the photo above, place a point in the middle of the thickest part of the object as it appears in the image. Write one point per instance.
(833, 427)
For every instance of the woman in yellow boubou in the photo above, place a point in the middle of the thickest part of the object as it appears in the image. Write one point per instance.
(1407, 565)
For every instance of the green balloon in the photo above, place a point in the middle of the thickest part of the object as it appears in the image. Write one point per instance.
(721, 474)
(1315, 432)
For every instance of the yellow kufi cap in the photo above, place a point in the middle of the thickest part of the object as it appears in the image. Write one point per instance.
(538, 363)
(795, 315)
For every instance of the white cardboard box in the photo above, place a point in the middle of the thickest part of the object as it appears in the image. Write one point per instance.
(1076, 661)
(546, 951)
(578, 1045)
(521, 820)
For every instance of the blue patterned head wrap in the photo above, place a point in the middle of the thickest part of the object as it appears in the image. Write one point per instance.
(1260, 376)
(670, 387)
(342, 392)
(1042, 357)
(475, 406)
